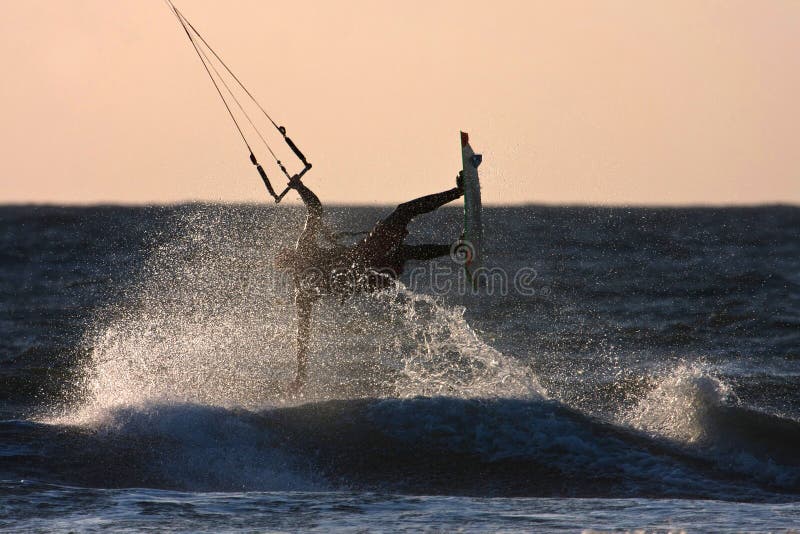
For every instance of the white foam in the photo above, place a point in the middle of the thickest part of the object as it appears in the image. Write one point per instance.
(679, 406)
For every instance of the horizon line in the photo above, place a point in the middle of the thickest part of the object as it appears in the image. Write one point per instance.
(491, 205)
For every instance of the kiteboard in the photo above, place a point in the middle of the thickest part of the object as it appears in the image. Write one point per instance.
(471, 252)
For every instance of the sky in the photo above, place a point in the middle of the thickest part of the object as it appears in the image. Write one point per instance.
(594, 102)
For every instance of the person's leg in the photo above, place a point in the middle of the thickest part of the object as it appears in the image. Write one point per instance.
(424, 252)
(389, 233)
(304, 305)
(406, 211)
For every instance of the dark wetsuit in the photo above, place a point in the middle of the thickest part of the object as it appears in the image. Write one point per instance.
(381, 251)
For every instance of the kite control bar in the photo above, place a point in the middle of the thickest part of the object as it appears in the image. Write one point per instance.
(288, 187)
(306, 167)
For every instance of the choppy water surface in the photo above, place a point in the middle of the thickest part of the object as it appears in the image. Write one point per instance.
(626, 369)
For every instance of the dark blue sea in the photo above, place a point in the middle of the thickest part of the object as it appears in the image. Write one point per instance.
(615, 369)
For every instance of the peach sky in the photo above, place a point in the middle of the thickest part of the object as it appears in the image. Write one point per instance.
(611, 102)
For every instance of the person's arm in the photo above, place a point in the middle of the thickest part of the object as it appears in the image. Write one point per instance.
(311, 200)
(314, 219)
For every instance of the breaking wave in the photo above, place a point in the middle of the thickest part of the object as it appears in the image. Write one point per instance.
(184, 387)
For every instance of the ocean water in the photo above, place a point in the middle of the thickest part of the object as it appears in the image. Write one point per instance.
(617, 369)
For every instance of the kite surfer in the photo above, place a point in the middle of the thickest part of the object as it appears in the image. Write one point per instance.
(370, 264)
